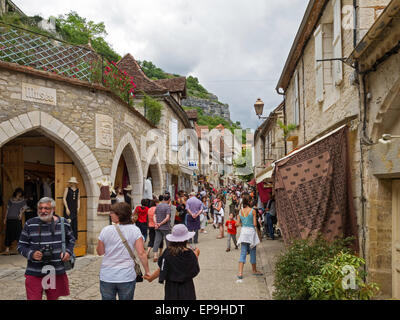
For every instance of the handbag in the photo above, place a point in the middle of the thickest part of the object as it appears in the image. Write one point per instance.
(139, 274)
(68, 265)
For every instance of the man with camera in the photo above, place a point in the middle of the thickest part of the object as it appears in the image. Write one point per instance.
(41, 244)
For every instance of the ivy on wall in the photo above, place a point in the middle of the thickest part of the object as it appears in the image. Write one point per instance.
(152, 109)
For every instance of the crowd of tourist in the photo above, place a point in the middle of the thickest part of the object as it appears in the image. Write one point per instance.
(164, 229)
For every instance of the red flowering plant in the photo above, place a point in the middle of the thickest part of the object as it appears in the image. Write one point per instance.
(119, 82)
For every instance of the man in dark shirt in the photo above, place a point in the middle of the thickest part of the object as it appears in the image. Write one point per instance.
(41, 244)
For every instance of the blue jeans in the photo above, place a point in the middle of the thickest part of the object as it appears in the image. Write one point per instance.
(245, 248)
(125, 290)
(270, 227)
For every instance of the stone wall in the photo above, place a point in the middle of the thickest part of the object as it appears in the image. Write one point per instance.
(71, 123)
(374, 220)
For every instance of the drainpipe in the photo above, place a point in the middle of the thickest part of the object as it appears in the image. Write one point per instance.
(364, 140)
(355, 7)
(284, 113)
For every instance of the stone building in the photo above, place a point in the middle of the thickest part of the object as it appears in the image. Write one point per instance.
(378, 62)
(269, 144)
(181, 149)
(323, 91)
(58, 124)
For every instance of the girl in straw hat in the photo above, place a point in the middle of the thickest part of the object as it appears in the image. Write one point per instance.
(178, 265)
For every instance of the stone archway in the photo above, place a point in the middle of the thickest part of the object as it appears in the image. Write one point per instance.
(79, 152)
(128, 149)
(59, 132)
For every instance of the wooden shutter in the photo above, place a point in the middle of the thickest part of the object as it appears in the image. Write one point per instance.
(13, 177)
(319, 70)
(174, 135)
(64, 170)
(396, 239)
(296, 111)
(337, 65)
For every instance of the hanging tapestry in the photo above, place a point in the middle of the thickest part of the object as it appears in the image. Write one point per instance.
(313, 191)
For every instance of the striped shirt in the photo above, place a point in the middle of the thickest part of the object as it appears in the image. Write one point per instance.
(50, 233)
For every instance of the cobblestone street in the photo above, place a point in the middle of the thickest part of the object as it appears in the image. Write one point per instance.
(216, 281)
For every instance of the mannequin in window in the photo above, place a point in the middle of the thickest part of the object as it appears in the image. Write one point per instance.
(104, 205)
(72, 201)
(148, 189)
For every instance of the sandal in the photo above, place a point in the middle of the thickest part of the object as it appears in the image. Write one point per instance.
(258, 273)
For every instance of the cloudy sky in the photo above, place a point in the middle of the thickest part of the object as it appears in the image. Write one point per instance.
(236, 48)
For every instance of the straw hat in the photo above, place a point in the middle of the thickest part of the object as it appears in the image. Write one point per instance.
(73, 180)
(128, 188)
(180, 233)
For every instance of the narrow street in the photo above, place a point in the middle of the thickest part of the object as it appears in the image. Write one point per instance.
(216, 281)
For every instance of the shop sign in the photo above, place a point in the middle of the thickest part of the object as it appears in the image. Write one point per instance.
(31, 92)
(104, 132)
(192, 164)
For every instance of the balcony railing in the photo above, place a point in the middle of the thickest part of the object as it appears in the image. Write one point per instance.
(27, 48)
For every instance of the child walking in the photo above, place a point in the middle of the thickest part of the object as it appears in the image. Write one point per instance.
(231, 229)
(178, 265)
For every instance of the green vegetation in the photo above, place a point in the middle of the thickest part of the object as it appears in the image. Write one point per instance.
(29, 23)
(341, 278)
(195, 89)
(77, 30)
(152, 109)
(243, 166)
(286, 128)
(302, 259)
(153, 72)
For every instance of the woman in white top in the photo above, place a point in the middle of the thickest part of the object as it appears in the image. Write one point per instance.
(117, 272)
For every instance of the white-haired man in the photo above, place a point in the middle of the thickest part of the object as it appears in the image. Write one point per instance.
(41, 244)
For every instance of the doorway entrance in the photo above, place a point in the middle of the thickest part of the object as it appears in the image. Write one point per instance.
(41, 168)
(396, 239)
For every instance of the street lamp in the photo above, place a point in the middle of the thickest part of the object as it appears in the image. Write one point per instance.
(259, 106)
(387, 138)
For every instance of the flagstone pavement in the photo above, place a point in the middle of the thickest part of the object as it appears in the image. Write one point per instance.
(217, 279)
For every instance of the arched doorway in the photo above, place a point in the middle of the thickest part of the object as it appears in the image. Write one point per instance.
(126, 169)
(153, 170)
(41, 166)
(384, 196)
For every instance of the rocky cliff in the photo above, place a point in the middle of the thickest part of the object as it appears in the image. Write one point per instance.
(211, 107)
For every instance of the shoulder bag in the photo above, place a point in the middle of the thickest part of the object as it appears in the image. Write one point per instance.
(139, 274)
(68, 265)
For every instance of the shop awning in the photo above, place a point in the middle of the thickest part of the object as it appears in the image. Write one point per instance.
(265, 174)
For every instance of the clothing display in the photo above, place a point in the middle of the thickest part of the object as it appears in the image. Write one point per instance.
(148, 189)
(47, 189)
(264, 192)
(104, 205)
(72, 199)
(13, 223)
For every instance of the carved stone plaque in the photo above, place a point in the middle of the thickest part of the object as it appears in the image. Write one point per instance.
(31, 92)
(104, 132)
